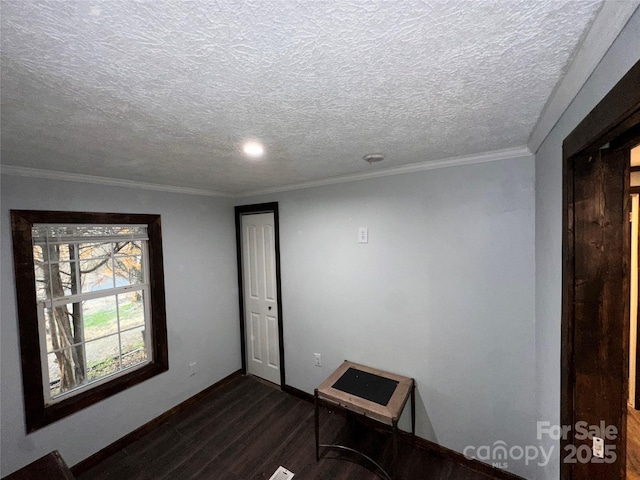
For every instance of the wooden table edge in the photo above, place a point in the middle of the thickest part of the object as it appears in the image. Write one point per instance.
(387, 414)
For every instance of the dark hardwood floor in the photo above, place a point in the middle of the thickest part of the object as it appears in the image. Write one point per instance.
(246, 429)
(633, 444)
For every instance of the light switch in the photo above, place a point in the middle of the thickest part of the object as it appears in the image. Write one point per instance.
(363, 235)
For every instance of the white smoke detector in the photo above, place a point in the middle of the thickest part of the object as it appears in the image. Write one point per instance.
(373, 157)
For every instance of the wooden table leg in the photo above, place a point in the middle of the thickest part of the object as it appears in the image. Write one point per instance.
(413, 408)
(394, 441)
(317, 422)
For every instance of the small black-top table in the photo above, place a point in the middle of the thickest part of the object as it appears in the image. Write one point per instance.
(368, 392)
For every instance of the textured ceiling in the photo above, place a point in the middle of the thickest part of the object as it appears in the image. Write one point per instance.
(166, 91)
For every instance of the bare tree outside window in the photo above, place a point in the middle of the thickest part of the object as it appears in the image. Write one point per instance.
(91, 301)
(74, 268)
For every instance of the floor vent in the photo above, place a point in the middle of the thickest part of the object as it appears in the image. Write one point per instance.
(281, 474)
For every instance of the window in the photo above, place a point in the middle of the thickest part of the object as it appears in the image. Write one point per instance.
(90, 291)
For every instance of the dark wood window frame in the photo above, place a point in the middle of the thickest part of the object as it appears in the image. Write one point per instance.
(37, 414)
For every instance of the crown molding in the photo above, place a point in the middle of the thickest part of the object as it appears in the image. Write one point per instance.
(13, 170)
(606, 27)
(507, 154)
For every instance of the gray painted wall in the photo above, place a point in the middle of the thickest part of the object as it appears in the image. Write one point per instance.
(202, 315)
(622, 55)
(443, 292)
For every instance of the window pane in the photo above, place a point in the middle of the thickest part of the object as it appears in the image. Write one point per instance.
(133, 347)
(41, 283)
(96, 274)
(66, 370)
(131, 307)
(62, 280)
(128, 270)
(102, 357)
(54, 375)
(94, 250)
(38, 256)
(100, 317)
(58, 278)
(128, 248)
(59, 252)
(61, 327)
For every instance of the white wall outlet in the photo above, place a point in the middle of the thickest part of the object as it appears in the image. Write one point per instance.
(317, 358)
(363, 235)
(598, 447)
(192, 368)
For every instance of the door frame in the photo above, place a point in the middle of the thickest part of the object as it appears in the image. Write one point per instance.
(636, 400)
(615, 119)
(240, 211)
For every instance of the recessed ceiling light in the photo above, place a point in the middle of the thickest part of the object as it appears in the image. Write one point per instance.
(253, 149)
